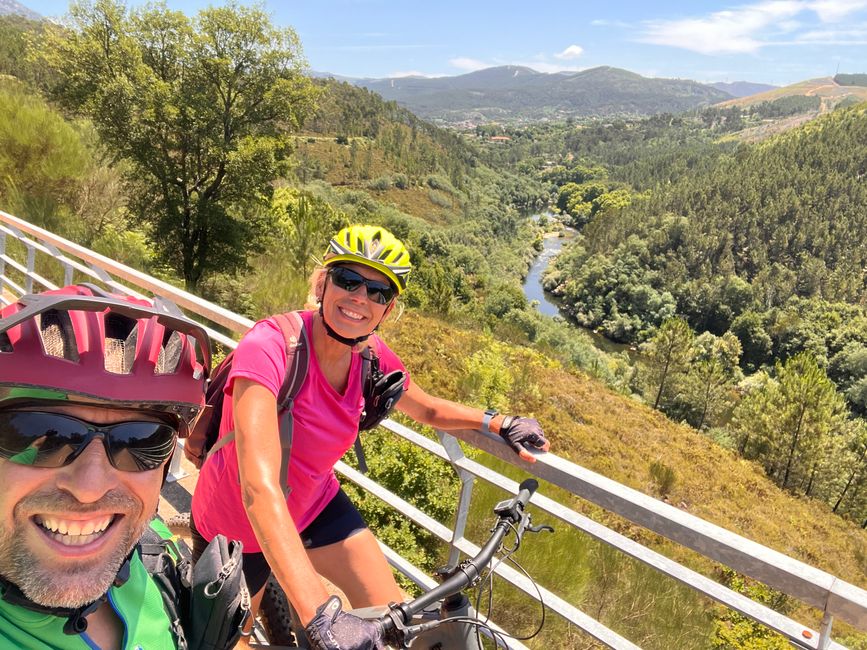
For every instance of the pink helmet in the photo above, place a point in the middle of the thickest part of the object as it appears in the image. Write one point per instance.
(80, 344)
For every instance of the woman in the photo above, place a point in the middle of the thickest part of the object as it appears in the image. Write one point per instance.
(315, 530)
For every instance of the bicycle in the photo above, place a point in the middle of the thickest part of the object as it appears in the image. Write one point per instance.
(441, 618)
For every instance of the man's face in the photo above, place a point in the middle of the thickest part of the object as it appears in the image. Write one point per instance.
(64, 532)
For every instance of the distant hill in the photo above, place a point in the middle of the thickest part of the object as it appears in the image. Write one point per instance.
(10, 7)
(742, 88)
(827, 89)
(519, 94)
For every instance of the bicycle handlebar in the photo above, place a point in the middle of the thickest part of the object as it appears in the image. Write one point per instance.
(510, 514)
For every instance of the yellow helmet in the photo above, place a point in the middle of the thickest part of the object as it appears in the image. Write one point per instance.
(372, 246)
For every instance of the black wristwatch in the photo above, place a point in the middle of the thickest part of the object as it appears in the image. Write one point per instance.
(490, 414)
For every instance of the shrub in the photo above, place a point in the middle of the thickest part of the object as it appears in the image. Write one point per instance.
(440, 199)
(663, 477)
(380, 184)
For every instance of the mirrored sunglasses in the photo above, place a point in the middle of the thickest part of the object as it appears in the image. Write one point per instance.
(378, 291)
(47, 439)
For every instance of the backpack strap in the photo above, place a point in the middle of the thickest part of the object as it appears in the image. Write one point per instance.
(297, 362)
(297, 345)
(369, 367)
(169, 565)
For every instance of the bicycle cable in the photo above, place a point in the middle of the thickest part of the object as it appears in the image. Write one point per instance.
(488, 579)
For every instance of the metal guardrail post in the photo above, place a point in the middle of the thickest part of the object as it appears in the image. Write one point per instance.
(57, 255)
(176, 472)
(2, 262)
(455, 453)
(31, 267)
(825, 631)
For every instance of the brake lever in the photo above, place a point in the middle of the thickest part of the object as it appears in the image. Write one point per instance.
(527, 526)
(540, 528)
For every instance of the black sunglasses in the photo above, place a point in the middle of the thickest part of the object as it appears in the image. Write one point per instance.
(378, 291)
(46, 439)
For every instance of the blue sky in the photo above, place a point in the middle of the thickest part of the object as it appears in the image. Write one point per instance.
(770, 41)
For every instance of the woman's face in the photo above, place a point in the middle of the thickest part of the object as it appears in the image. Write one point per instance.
(353, 313)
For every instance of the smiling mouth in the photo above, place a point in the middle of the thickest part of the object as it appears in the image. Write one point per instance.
(352, 315)
(74, 532)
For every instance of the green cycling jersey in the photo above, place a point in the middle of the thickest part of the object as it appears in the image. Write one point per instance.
(138, 603)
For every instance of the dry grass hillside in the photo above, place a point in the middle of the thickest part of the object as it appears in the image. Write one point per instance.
(825, 87)
(620, 438)
(362, 164)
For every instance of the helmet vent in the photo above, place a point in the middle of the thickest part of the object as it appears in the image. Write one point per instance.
(120, 339)
(57, 335)
(5, 343)
(170, 354)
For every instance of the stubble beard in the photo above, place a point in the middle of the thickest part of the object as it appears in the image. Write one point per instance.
(77, 583)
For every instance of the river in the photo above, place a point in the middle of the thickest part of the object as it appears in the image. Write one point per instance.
(533, 290)
(549, 304)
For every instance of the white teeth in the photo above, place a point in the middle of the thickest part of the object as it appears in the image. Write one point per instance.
(72, 531)
(351, 314)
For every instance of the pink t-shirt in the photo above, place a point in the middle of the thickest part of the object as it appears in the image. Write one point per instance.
(325, 426)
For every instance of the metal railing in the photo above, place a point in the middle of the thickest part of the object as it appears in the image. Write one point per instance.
(831, 595)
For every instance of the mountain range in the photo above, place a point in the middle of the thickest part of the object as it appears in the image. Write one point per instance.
(519, 94)
(11, 7)
(742, 88)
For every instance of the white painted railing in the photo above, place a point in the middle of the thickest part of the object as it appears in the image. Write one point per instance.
(831, 595)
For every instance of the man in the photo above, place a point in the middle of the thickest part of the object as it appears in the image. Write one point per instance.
(94, 391)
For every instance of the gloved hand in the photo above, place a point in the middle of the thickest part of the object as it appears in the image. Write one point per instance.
(334, 629)
(522, 434)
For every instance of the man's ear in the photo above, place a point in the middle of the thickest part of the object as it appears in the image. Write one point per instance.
(389, 308)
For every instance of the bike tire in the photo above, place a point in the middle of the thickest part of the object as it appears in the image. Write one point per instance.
(277, 617)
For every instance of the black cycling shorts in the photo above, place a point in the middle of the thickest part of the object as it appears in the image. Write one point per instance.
(339, 520)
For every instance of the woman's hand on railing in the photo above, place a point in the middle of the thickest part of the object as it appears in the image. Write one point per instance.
(522, 434)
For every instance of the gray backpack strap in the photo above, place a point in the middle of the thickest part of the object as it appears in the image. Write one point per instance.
(297, 363)
(366, 381)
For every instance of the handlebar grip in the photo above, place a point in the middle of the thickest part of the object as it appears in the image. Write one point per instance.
(513, 509)
(526, 489)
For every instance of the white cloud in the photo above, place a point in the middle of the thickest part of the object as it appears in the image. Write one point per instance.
(470, 65)
(413, 73)
(830, 11)
(603, 22)
(747, 28)
(834, 35)
(730, 31)
(571, 52)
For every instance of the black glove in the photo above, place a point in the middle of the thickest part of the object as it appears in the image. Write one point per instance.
(334, 629)
(521, 432)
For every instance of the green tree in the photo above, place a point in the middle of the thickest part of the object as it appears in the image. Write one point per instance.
(304, 224)
(711, 376)
(855, 467)
(199, 107)
(756, 343)
(789, 419)
(42, 159)
(667, 357)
